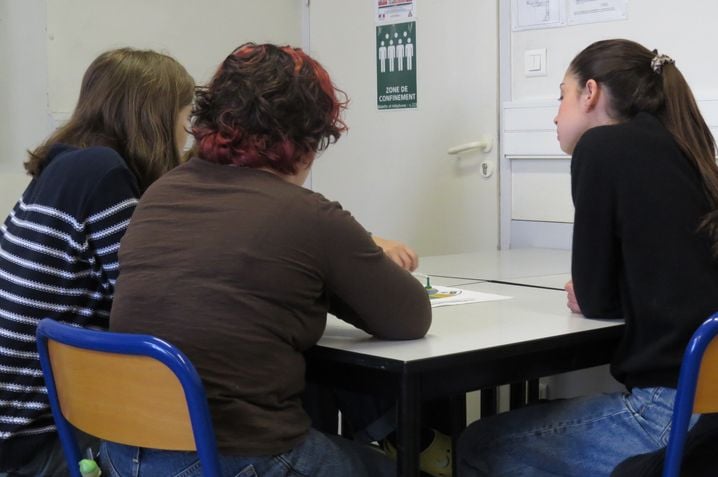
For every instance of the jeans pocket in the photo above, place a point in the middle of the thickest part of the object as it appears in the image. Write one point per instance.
(194, 470)
(287, 467)
(109, 467)
(652, 408)
(632, 406)
(247, 472)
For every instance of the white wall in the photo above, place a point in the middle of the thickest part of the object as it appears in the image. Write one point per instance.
(46, 45)
(392, 170)
(683, 30)
(198, 34)
(23, 91)
(536, 186)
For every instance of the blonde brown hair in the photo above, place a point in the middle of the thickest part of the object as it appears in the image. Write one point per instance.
(130, 101)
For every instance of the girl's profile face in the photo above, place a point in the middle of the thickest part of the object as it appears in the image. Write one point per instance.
(181, 128)
(572, 119)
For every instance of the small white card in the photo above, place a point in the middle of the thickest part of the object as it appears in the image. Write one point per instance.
(445, 296)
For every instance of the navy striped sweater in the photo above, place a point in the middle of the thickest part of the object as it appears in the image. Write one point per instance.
(58, 259)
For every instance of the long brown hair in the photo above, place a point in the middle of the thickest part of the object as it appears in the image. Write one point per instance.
(625, 69)
(129, 101)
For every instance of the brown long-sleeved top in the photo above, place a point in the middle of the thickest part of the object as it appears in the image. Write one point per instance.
(238, 268)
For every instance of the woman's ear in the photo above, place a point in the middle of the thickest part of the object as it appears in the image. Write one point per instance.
(304, 163)
(591, 95)
(307, 159)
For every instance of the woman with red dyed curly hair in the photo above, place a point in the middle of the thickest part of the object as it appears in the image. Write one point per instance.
(248, 265)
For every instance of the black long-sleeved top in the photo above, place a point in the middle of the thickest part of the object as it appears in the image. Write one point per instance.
(637, 251)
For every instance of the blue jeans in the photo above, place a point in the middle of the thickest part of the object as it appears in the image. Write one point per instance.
(49, 460)
(582, 437)
(319, 455)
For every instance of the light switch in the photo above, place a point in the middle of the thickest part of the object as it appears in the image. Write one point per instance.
(535, 62)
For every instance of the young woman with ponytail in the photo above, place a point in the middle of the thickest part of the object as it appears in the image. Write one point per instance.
(645, 190)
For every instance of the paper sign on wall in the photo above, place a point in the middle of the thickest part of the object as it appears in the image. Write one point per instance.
(530, 14)
(393, 11)
(593, 11)
(396, 65)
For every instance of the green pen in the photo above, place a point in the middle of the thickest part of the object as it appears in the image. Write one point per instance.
(429, 289)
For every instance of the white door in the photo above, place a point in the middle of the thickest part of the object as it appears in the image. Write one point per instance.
(392, 169)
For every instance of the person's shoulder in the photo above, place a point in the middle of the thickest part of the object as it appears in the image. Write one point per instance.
(598, 147)
(600, 137)
(616, 141)
(92, 162)
(316, 208)
(643, 127)
(185, 171)
(319, 202)
(99, 159)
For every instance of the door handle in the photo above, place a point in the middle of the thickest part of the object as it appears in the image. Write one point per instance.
(484, 145)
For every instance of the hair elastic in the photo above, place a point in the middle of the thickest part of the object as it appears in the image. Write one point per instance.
(659, 60)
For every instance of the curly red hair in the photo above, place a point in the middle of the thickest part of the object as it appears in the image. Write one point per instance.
(267, 106)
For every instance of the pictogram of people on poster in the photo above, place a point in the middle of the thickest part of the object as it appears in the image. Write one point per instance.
(396, 65)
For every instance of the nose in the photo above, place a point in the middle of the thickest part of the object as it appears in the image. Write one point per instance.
(555, 120)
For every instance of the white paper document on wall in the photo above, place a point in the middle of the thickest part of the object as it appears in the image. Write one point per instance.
(594, 11)
(445, 296)
(530, 14)
(395, 11)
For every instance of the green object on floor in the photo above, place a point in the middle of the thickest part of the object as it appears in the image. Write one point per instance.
(89, 468)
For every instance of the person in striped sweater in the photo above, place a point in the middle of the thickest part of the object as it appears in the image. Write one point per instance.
(58, 246)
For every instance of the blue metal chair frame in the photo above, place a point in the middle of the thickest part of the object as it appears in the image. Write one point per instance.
(686, 392)
(129, 344)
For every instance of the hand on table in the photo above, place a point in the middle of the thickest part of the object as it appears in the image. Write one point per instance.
(572, 302)
(398, 252)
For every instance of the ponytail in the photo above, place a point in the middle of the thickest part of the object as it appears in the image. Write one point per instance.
(640, 80)
(683, 119)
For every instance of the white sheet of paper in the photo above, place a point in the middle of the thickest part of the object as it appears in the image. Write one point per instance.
(445, 296)
(594, 11)
(395, 11)
(530, 14)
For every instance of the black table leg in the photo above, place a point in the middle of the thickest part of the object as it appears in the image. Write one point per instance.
(533, 392)
(409, 427)
(489, 402)
(517, 396)
(458, 424)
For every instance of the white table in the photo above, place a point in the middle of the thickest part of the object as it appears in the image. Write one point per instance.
(497, 265)
(448, 282)
(546, 281)
(531, 314)
(468, 347)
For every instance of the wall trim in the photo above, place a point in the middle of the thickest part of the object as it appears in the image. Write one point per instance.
(533, 191)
